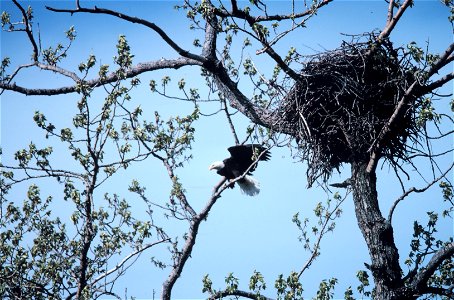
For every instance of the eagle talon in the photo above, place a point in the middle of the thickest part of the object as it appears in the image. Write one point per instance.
(231, 184)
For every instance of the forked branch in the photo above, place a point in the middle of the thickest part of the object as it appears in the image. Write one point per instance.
(393, 19)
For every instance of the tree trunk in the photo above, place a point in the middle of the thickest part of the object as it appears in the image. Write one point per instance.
(377, 232)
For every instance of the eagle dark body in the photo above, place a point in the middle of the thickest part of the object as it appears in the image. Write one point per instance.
(241, 158)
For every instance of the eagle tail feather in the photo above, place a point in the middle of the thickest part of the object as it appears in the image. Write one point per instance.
(249, 186)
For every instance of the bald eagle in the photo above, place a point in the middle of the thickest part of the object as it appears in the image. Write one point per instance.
(240, 160)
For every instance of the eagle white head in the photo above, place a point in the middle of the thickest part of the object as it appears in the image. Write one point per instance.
(217, 165)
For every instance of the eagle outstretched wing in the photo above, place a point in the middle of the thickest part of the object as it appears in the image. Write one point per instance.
(242, 156)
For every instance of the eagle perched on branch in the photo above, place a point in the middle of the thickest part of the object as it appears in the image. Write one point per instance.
(243, 160)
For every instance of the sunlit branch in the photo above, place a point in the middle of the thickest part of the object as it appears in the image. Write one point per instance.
(241, 14)
(391, 22)
(390, 11)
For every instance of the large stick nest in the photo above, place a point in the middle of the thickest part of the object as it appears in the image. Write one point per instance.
(343, 100)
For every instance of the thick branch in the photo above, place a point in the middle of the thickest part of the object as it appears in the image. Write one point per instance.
(419, 283)
(442, 61)
(211, 33)
(238, 293)
(113, 77)
(438, 83)
(239, 101)
(241, 14)
(390, 12)
(190, 242)
(59, 70)
(449, 292)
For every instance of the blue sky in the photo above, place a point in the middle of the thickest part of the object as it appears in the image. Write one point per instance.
(242, 234)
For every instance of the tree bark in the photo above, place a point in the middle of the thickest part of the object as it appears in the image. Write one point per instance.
(377, 232)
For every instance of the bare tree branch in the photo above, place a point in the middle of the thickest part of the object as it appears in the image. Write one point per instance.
(124, 260)
(59, 70)
(438, 83)
(444, 59)
(449, 292)
(229, 120)
(413, 189)
(28, 30)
